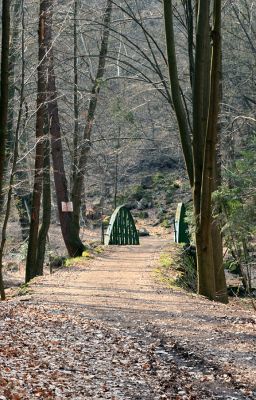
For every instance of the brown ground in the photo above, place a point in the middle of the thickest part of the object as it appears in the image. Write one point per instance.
(200, 349)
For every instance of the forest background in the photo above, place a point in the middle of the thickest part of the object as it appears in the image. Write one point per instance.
(105, 108)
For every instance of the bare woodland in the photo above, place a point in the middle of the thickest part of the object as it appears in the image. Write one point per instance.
(144, 103)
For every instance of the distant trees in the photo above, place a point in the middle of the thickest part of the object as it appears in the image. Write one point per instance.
(98, 98)
(200, 150)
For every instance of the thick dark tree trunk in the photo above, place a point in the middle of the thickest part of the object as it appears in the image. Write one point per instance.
(70, 233)
(39, 157)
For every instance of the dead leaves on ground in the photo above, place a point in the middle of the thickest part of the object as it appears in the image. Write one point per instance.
(59, 354)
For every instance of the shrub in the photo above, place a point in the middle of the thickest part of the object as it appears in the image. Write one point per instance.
(178, 268)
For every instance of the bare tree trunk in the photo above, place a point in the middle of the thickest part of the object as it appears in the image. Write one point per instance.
(205, 84)
(78, 177)
(76, 106)
(220, 279)
(175, 89)
(4, 104)
(39, 157)
(46, 217)
(4, 89)
(209, 261)
(22, 196)
(70, 234)
(15, 141)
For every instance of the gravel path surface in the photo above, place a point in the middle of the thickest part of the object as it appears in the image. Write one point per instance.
(106, 330)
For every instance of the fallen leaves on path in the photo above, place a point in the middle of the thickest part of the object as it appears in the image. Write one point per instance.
(60, 354)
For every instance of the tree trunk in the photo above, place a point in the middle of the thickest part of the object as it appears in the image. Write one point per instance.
(205, 100)
(4, 104)
(78, 177)
(175, 89)
(46, 217)
(23, 198)
(4, 89)
(70, 233)
(39, 157)
(76, 105)
(220, 279)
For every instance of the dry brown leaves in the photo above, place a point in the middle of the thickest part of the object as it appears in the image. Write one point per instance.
(59, 354)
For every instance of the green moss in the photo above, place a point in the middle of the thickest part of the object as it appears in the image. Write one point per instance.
(86, 254)
(99, 249)
(176, 268)
(24, 290)
(106, 221)
(143, 214)
(158, 178)
(136, 192)
(71, 262)
(165, 223)
(165, 260)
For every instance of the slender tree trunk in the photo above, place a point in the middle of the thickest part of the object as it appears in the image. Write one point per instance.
(13, 57)
(15, 141)
(190, 29)
(4, 88)
(22, 196)
(220, 279)
(175, 89)
(39, 157)
(76, 105)
(46, 204)
(78, 177)
(70, 234)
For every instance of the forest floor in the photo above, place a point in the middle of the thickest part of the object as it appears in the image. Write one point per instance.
(106, 329)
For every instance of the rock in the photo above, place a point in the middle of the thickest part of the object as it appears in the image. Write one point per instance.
(143, 214)
(143, 232)
(57, 262)
(131, 205)
(147, 182)
(158, 163)
(156, 223)
(142, 204)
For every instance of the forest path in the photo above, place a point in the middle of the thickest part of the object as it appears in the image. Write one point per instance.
(119, 289)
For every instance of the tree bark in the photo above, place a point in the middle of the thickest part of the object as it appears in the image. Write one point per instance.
(4, 104)
(4, 88)
(205, 101)
(220, 279)
(70, 234)
(46, 204)
(39, 156)
(175, 89)
(76, 105)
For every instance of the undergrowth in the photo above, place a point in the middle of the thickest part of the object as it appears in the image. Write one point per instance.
(177, 268)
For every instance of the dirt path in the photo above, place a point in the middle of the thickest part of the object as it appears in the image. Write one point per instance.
(211, 346)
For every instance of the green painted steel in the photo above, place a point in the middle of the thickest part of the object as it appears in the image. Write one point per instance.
(180, 226)
(121, 229)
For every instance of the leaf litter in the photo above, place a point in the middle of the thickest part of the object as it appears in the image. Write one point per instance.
(58, 353)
